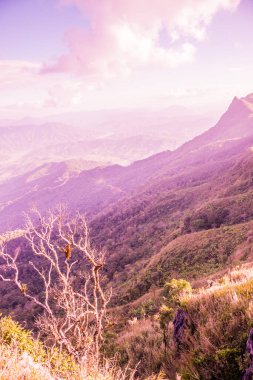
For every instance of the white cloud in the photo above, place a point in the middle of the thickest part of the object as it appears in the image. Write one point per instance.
(124, 35)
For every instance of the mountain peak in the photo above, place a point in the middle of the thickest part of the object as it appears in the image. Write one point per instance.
(240, 107)
(236, 122)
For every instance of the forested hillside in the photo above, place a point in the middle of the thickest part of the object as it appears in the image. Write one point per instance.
(203, 194)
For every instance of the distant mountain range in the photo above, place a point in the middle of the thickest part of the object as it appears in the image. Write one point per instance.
(116, 137)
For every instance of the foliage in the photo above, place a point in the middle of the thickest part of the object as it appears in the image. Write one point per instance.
(166, 315)
(24, 357)
(203, 198)
(146, 308)
(175, 290)
(13, 335)
(11, 332)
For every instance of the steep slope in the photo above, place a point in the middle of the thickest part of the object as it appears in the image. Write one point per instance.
(141, 208)
(236, 123)
(205, 184)
(140, 227)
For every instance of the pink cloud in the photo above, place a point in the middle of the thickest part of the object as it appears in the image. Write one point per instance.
(125, 35)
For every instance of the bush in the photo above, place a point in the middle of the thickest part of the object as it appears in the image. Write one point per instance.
(14, 336)
(175, 290)
(12, 333)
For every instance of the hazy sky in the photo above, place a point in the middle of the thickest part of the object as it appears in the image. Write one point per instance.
(67, 55)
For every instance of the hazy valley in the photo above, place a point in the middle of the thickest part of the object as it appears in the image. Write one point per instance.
(29, 143)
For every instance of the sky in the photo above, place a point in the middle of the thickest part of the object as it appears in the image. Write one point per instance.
(71, 55)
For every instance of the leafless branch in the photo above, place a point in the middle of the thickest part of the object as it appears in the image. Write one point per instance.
(73, 310)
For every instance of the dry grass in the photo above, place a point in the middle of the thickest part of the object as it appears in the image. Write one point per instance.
(212, 344)
(142, 344)
(219, 321)
(238, 276)
(16, 365)
(20, 366)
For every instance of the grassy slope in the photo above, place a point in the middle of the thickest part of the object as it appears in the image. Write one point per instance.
(189, 256)
(222, 319)
(213, 340)
(152, 235)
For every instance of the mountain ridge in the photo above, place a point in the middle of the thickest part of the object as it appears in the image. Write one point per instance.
(94, 190)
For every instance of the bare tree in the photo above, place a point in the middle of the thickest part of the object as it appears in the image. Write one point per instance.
(73, 301)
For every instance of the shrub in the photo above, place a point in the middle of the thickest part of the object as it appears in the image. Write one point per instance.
(175, 290)
(14, 336)
(12, 333)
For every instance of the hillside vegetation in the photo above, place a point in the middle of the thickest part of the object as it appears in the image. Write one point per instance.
(192, 229)
(198, 334)
(174, 233)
